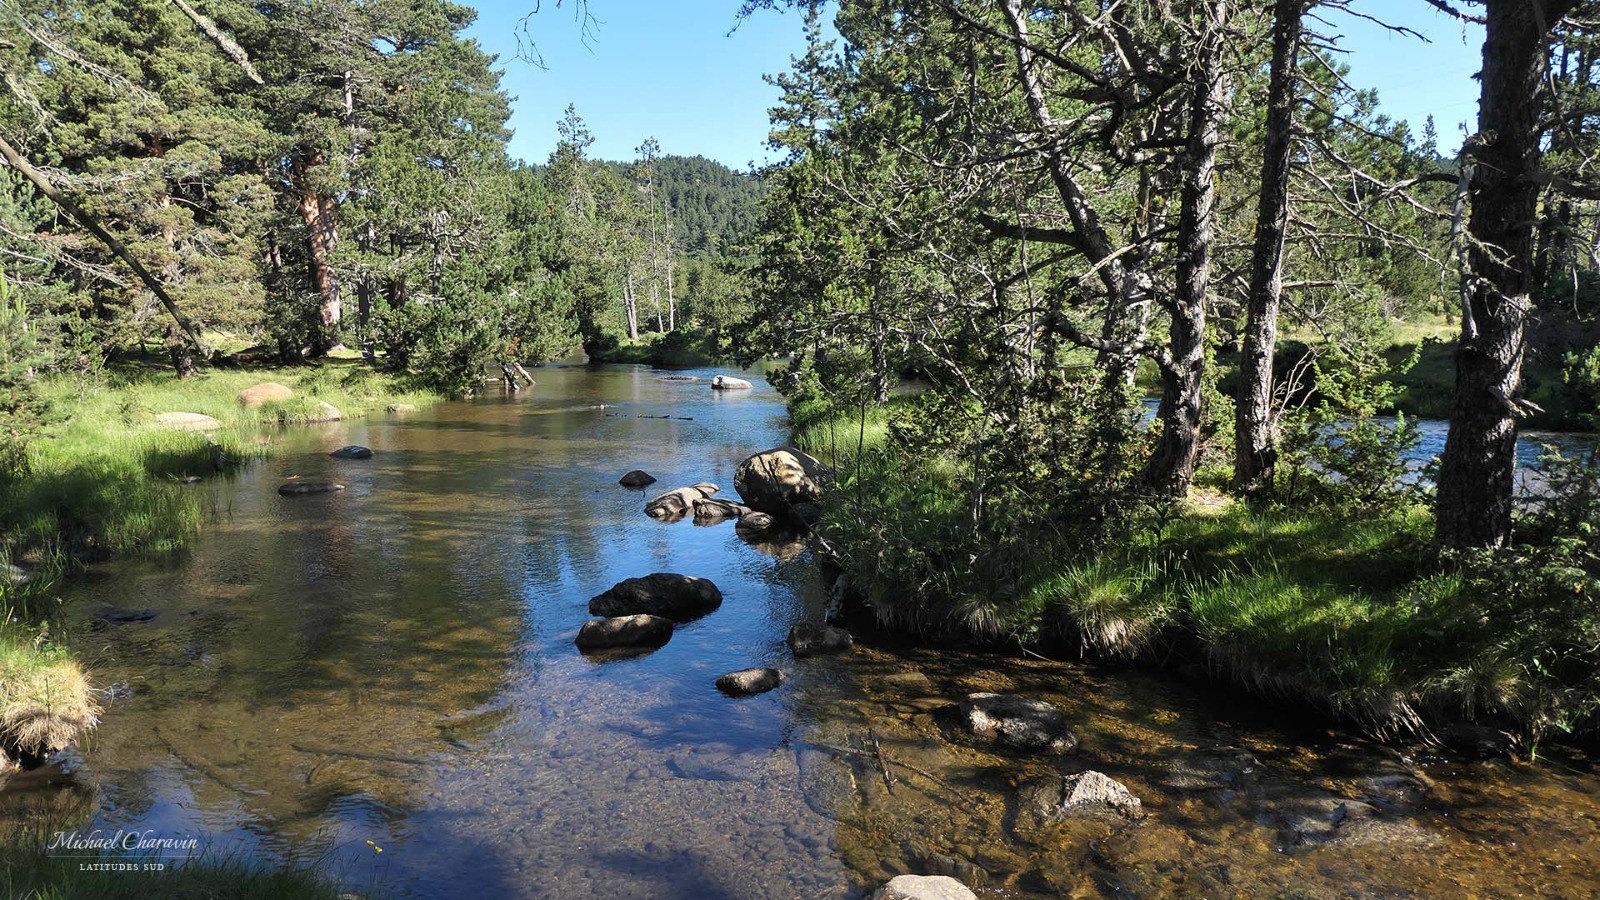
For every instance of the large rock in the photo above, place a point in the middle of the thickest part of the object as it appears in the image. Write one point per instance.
(807, 639)
(402, 407)
(748, 682)
(675, 504)
(1055, 798)
(265, 392)
(677, 597)
(924, 887)
(1018, 723)
(729, 383)
(624, 631)
(778, 480)
(638, 478)
(301, 488)
(184, 421)
(325, 412)
(713, 509)
(353, 451)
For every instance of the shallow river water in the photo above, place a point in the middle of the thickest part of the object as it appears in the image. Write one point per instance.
(392, 667)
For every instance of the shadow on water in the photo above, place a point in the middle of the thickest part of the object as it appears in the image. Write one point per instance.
(394, 664)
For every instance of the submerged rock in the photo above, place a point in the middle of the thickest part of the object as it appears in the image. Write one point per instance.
(682, 378)
(265, 392)
(637, 479)
(301, 488)
(353, 451)
(807, 639)
(675, 504)
(185, 421)
(923, 887)
(777, 481)
(1053, 799)
(116, 615)
(677, 597)
(1018, 723)
(624, 631)
(729, 383)
(747, 682)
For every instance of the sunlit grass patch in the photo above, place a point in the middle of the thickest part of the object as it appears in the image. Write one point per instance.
(45, 699)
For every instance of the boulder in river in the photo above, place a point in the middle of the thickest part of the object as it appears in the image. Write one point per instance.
(675, 504)
(186, 421)
(638, 478)
(265, 392)
(402, 407)
(677, 597)
(1054, 798)
(116, 615)
(713, 509)
(776, 481)
(301, 488)
(354, 451)
(1018, 723)
(729, 383)
(923, 887)
(753, 521)
(624, 631)
(809, 639)
(748, 682)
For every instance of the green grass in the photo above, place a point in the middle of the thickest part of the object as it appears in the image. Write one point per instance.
(681, 349)
(1349, 614)
(45, 699)
(27, 872)
(105, 480)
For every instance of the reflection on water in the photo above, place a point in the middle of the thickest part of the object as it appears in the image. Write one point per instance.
(394, 664)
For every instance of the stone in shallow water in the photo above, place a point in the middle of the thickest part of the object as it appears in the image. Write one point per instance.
(624, 631)
(729, 383)
(638, 478)
(301, 488)
(402, 407)
(924, 887)
(1018, 723)
(675, 504)
(116, 615)
(748, 682)
(710, 509)
(353, 451)
(1053, 799)
(678, 597)
(808, 639)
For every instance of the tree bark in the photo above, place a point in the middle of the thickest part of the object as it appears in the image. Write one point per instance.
(1255, 425)
(1479, 466)
(37, 178)
(321, 217)
(1171, 467)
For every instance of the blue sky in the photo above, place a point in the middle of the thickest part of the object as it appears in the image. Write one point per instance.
(671, 70)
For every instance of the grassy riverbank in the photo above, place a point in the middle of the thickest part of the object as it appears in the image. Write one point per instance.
(1347, 612)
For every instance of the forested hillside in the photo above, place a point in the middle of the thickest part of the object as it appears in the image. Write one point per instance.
(714, 210)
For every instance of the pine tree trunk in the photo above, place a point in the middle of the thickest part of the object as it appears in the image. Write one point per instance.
(1255, 439)
(1477, 474)
(320, 215)
(1171, 468)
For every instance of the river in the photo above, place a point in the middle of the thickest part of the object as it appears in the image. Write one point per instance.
(392, 667)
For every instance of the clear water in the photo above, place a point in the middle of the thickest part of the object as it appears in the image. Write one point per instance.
(394, 664)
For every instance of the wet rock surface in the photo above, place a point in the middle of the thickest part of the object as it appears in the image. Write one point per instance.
(730, 383)
(675, 504)
(1051, 800)
(1021, 724)
(637, 479)
(304, 488)
(924, 887)
(624, 631)
(354, 451)
(809, 639)
(749, 682)
(672, 596)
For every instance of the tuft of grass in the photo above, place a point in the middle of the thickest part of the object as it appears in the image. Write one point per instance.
(45, 699)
